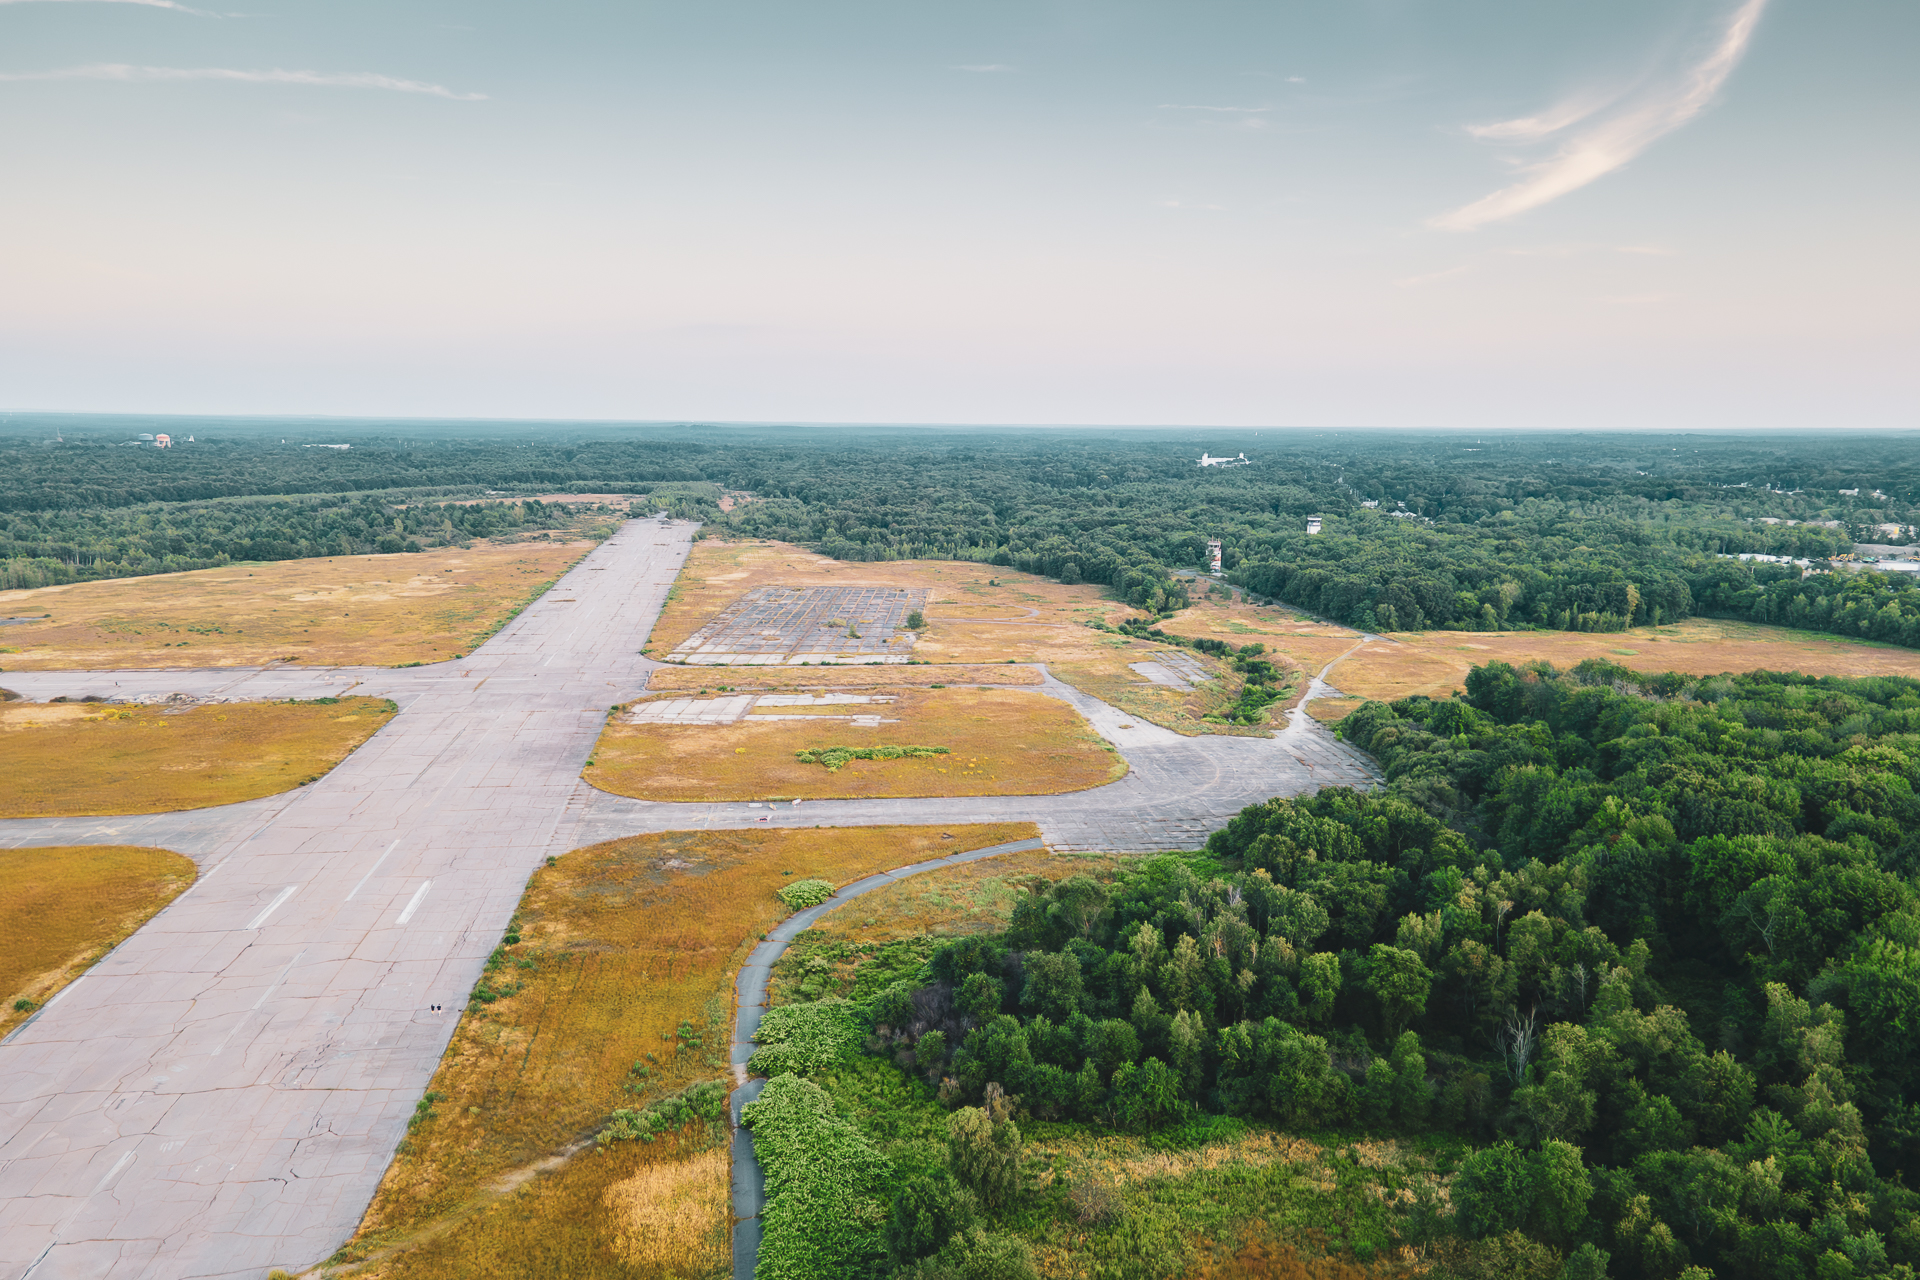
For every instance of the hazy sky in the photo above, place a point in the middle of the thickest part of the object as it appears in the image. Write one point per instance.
(1500, 213)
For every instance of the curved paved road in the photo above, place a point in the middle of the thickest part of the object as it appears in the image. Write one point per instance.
(221, 1095)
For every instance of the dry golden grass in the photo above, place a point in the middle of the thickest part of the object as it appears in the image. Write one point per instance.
(70, 759)
(588, 1218)
(628, 940)
(786, 679)
(1002, 741)
(63, 908)
(1046, 618)
(1332, 710)
(1436, 662)
(669, 1216)
(381, 610)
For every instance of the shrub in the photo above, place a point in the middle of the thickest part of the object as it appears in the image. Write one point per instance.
(804, 893)
(977, 1254)
(833, 757)
(705, 1101)
(804, 1038)
(822, 1216)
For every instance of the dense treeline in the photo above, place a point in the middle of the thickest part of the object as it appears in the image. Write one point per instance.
(40, 549)
(1582, 533)
(1650, 943)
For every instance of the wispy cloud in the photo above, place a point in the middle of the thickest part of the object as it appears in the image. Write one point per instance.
(1601, 132)
(983, 67)
(1194, 106)
(329, 80)
(151, 4)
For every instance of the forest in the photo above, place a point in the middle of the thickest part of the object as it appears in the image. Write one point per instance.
(1419, 530)
(1640, 952)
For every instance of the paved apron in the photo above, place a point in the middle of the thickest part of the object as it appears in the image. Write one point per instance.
(222, 1094)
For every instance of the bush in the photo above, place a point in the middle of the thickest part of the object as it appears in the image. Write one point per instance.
(977, 1254)
(823, 1181)
(915, 621)
(804, 893)
(804, 1038)
(706, 1101)
(833, 757)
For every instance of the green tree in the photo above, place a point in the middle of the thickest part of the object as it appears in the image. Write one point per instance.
(1400, 983)
(925, 1214)
(980, 996)
(984, 1155)
(1147, 1095)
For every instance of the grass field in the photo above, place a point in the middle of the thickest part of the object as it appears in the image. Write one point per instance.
(380, 610)
(63, 908)
(70, 759)
(1436, 662)
(617, 992)
(1001, 742)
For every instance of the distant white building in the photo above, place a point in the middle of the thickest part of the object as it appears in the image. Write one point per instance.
(1371, 503)
(1313, 524)
(1208, 460)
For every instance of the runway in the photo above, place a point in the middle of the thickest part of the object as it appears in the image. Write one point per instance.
(222, 1094)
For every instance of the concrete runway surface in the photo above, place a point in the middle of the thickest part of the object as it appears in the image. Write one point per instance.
(222, 1094)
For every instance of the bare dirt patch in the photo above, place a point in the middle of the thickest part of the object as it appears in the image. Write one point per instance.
(379, 610)
(1044, 615)
(1001, 742)
(617, 992)
(1435, 663)
(62, 908)
(64, 760)
(694, 679)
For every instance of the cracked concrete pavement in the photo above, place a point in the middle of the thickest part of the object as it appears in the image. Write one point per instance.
(222, 1093)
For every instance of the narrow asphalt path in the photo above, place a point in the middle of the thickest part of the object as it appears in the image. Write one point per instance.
(750, 1003)
(222, 1094)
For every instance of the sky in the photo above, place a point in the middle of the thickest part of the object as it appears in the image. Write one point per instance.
(1669, 214)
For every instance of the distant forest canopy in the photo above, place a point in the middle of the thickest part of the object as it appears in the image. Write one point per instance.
(1480, 532)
